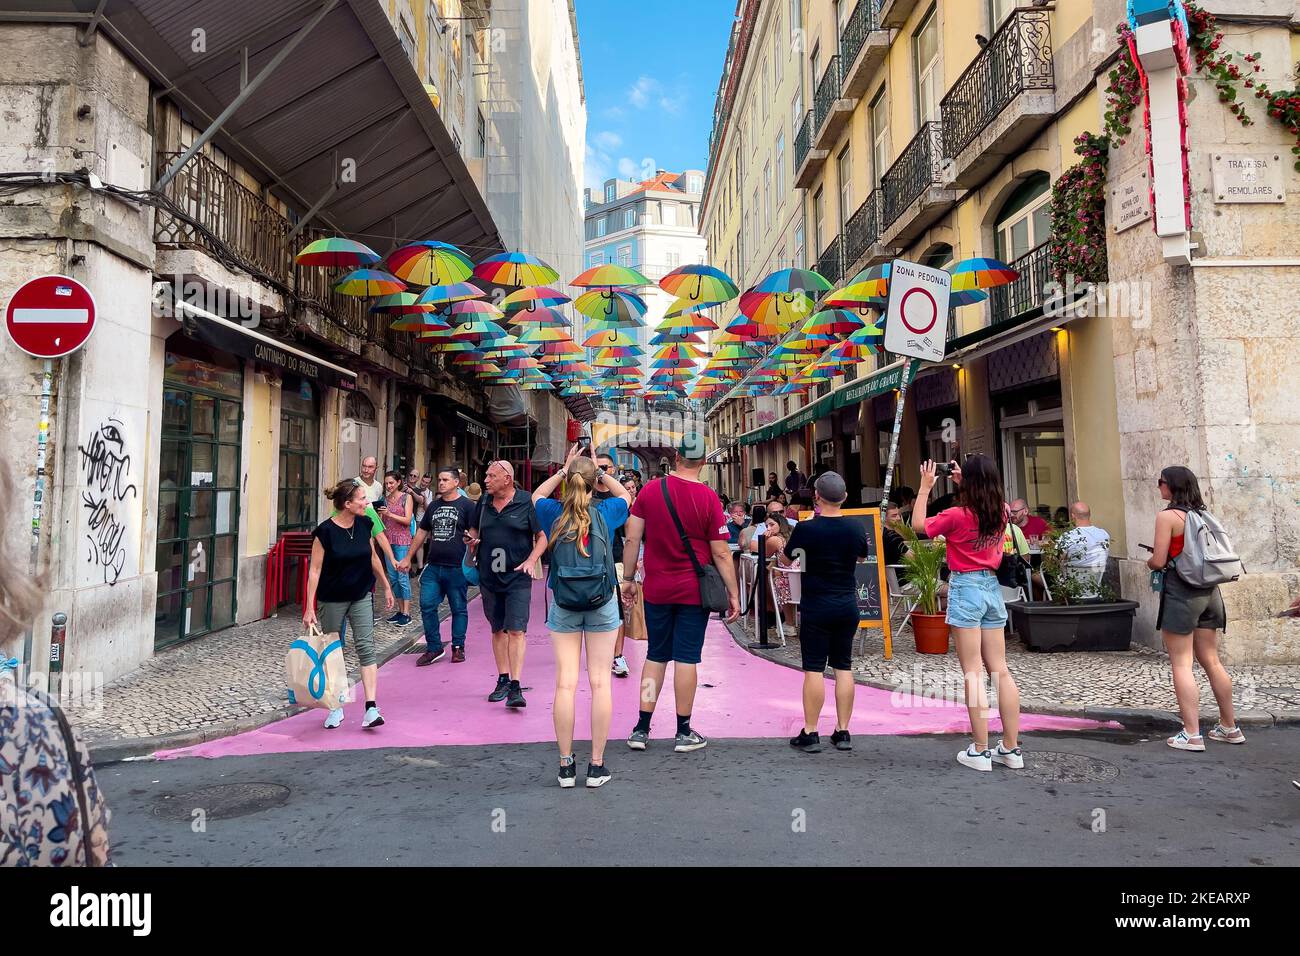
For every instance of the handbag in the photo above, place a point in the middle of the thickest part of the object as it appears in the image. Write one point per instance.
(713, 592)
(315, 670)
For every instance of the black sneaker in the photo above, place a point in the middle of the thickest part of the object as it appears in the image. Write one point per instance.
(694, 740)
(809, 743)
(842, 740)
(502, 688)
(597, 776)
(568, 775)
(515, 696)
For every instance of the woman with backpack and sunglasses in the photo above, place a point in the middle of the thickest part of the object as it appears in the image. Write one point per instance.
(1190, 616)
(584, 600)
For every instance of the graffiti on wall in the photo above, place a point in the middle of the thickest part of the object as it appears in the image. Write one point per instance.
(106, 476)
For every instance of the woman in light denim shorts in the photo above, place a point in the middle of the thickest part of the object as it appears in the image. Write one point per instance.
(976, 614)
(570, 520)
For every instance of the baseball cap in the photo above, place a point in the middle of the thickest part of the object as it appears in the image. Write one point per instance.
(831, 487)
(692, 446)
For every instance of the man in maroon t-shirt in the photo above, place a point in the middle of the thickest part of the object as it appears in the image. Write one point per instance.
(675, 620)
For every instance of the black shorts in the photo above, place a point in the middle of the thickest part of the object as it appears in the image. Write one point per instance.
(675, 632)
(506, 610)
(828, 636)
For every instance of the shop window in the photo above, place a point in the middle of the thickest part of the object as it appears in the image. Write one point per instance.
(299, 496)
(1025, 221)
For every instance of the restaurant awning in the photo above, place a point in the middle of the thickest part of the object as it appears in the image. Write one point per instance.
(877, 383)
(345, 92)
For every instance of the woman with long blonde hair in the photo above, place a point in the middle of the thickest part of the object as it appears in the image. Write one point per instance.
(584, 600)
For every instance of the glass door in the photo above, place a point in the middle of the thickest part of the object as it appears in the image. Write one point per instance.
(198, 514)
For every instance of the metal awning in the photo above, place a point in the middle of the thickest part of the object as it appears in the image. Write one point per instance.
(346, 91)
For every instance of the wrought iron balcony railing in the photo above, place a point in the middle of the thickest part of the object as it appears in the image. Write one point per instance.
(831, 262)
(1025, 294)
(1018, 58)
(803, 140)
(828, 91)
(862, 231)
(915, 170)
(863, 20)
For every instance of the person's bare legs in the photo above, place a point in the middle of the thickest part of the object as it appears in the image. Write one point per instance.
(652, 680)
(1205, 647)
(568, 661)
(501, 651)
(968, 641)
(993, 648)
(845, 694)
(1180, 651)
(684, 682)
(517, 643)
(600, 662)
(814, 697)
(370, 680)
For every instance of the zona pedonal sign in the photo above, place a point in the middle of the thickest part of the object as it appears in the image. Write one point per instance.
(50, 316)
(916, 316)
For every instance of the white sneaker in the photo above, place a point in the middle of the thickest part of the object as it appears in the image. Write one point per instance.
(620, 666)
(1227, 735)
(976, 759)
(334, 718)
(1181, 741)
(1012, 758)
(372, 718)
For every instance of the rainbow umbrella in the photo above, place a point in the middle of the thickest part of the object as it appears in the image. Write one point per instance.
(793, 281)
(336, 251)
(474, 308)
(688, 352)
(366, 283)
(767, 308)
(751, 331)
(604, 339)
(698, 283)
(532, 298)
(612, 305)
(429, 262)
(453, 292)
(668, 338)
(515, 269)
(540, 317)
(609, 274)
(485, 368)
(565, 348)
(966, 297)
(400, 303)
(616, 361)
(425, 322)
(980, 273)
(687, 307)
(687, 323)
(440, 340)
(542, 333)
(477, 330)
(833, 322)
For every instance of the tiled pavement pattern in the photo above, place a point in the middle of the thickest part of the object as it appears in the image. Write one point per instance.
(232, 675)
(1062, 681)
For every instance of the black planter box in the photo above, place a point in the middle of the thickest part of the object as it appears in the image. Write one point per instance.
(1074, 627)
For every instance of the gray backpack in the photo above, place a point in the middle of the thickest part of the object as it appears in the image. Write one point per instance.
(1208, 557)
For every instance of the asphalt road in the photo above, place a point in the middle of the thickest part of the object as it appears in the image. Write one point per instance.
(1083, 800)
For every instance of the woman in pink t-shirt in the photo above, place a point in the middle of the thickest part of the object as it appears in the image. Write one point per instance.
(976, 614)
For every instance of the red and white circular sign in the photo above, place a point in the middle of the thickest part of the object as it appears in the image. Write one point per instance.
(50, 316)
(924, 313)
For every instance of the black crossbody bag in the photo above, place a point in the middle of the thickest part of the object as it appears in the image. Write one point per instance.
(713, 592)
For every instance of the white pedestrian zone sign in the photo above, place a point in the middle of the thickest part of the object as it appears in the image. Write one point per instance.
(916, 316)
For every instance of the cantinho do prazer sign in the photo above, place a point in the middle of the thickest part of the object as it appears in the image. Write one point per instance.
(247, 343)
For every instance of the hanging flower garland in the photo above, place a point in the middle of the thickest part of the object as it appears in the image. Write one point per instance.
(1125, 91)
(1078, 246)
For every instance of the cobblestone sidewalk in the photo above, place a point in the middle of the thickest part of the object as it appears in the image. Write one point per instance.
(1068, 683)
(231, 680)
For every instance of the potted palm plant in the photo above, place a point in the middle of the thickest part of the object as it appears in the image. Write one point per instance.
(922, 564)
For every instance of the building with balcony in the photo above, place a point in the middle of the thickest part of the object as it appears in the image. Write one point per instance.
(935, 133)
(177, 172)
(651, 225)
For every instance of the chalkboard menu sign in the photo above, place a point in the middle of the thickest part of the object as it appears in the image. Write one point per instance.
(873, 592)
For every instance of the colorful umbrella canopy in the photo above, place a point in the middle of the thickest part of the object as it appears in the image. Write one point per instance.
(868, 333)
(604, 339)
(478, 330)
(767, 308)
(858, 295)
(687, 323)
(668, 338)
(366, 283)
(515, 269)
(561, 349)
(472, 308)
(440, 340)
(687, 352)
(980, 273)
(966, 297)
(430, 262)
(540, 317)
(616, 361)
(699, 283)
(833, 322)
(533, 298)
(336, 251)
(543, 333)
(609, 274)
(687, 307)
(419, 322)
(790, 281)
(400, 303)
(453, 292)
(611, 305)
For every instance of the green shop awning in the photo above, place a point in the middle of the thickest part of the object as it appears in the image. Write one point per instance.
(877, 383)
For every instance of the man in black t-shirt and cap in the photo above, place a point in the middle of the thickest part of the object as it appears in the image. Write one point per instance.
(509, 541)
(444, 524)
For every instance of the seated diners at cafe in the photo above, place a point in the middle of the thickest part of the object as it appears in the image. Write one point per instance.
(1032, 525)
(737, 519)
(1085, 547)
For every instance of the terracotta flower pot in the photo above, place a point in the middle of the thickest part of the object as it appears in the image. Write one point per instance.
(930, 632)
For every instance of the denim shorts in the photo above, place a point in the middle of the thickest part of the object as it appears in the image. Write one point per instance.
(975, 600)
(604, 618)
(675, 632)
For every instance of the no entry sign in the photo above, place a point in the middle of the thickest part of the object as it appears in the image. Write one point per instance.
(50, 316)
(916, 318)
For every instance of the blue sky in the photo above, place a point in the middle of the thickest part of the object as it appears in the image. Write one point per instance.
(651, 71)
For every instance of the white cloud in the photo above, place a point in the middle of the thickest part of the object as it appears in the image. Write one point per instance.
(608, 140)
(640, 93)
(626, 168)
(613, 112)
(597, 168)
